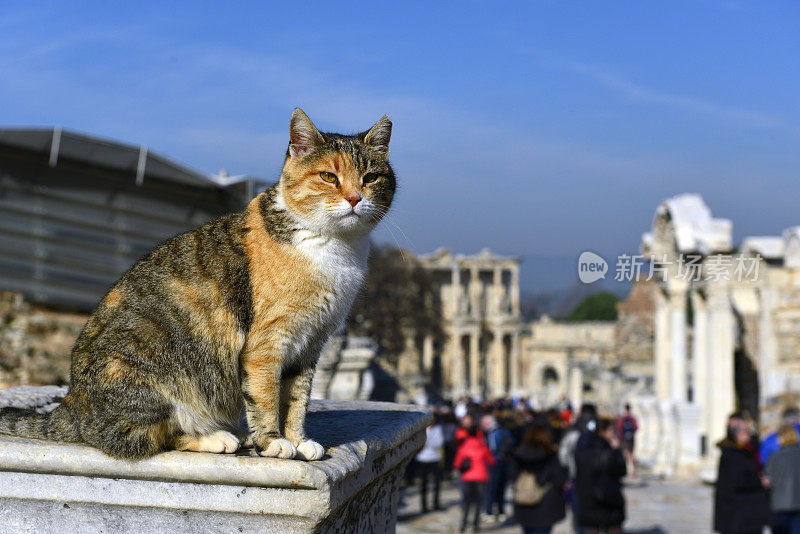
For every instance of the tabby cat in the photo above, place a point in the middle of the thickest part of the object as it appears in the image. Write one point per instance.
(228, 319)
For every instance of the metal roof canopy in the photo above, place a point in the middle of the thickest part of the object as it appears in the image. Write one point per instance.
(77, 211)
(56, 143)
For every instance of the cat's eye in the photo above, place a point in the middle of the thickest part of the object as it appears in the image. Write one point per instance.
(369, 177)
(328, 177)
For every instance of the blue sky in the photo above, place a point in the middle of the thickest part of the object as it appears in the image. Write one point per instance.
(539, 129)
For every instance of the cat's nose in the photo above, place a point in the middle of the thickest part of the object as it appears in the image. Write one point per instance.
(353, 198)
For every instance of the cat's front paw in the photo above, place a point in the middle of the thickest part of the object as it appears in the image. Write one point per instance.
(221, 441)
(310, 450)
(279, 448)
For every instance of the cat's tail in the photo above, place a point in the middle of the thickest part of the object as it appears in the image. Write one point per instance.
(58, 425)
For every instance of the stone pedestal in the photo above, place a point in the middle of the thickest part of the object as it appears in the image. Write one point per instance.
(689, 418)
(348, 382)
(677, 436)
(326, 367)
(667, 440)
(646, 410)
(60, 487)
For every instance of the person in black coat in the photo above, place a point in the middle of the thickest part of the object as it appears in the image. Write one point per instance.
(537, 454)
(600, 467)
(741, 504)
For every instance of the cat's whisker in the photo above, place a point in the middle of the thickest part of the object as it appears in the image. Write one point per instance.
(390, 221)
(396, 242)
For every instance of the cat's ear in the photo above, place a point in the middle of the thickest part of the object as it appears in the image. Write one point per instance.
(303, 135)
(378, 136)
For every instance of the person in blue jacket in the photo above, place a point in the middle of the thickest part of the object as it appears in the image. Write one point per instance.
(500, 442)
(770, 444)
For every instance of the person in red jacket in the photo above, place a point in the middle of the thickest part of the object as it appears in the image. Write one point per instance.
(467, 422)
(473, 459)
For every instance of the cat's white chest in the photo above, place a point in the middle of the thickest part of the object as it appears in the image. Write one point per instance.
(340, 265)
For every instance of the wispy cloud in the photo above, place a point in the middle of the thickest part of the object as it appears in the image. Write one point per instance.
(468, 176)
(642, 93)
(238, 89)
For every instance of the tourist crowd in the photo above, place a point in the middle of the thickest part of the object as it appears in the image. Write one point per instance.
(557, 459)
(550, 460)
(758, 485)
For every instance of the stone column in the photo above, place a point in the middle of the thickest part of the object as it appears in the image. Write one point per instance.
(514, 290)
(451, 372)
(475, 291)
(456, 363)
(646, 410)
(427, 353)
(670, 370)
(605, 400)
(474, 363)
(770, 381)
(492, 356)
(661, 347)
(700, 364)
(677, 319)
(455, 294)
(497, 291)
(489, 367)
(720, 338)
(514, 379)
(498, 387)
(575, 386)
(409, 361)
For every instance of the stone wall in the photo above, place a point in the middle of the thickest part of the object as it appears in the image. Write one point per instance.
(636, 323)
(35, 343)
(560, 358)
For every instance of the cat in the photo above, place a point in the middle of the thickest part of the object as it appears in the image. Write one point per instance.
(225, 322)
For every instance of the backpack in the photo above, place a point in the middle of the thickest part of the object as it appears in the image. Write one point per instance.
(500, 442)
(528, 491)
(628, 427)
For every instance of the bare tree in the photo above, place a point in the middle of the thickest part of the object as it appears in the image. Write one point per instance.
(398, 297)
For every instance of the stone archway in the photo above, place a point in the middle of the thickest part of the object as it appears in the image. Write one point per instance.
(683, 239)
(549, 374)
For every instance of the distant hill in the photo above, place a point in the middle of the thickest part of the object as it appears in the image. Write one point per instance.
(558, 303)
